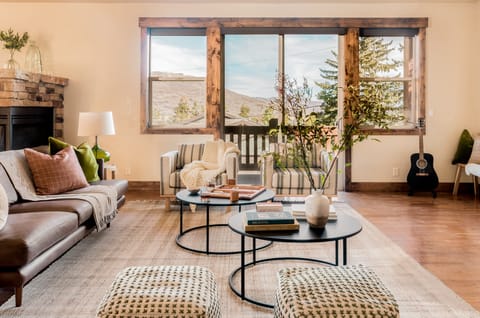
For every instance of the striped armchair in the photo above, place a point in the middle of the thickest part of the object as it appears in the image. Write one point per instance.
(172, 162)
(287, 179)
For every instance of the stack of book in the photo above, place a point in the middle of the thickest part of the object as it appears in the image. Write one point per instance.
(270, 221)
(298, 211)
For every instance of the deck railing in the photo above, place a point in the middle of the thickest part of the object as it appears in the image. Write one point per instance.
(252, 142)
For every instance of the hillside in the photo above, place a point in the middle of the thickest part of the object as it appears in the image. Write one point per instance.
(173, 88)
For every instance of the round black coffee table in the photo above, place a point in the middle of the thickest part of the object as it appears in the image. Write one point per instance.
(339, 230)
(185, 197)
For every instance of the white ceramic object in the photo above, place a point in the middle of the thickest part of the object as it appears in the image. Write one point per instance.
(317, 208)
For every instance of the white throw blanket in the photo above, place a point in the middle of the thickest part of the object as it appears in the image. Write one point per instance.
(102, 198)
(199, 172)
(472, 169)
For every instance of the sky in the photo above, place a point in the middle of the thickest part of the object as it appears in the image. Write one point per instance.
(251, 61)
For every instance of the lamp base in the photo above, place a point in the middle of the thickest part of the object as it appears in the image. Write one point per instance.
(100, 153)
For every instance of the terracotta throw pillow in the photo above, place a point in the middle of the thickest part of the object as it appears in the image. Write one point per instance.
(57, 173)
(3, 207)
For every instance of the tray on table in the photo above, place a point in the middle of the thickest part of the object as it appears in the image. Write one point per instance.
(245, 191)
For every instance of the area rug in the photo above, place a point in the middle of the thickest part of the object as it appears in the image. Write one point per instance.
(144, 234)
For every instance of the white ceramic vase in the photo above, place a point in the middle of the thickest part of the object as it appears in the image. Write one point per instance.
(317, 208)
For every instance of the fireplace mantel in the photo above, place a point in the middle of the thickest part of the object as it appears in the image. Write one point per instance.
(21, 93)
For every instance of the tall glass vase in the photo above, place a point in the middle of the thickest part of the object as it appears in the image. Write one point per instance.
(33, 59)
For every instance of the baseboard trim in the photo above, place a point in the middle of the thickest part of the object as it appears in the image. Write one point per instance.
(144, 186)
(355, 186)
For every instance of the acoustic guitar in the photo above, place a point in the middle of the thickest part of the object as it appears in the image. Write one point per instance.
(422, 175)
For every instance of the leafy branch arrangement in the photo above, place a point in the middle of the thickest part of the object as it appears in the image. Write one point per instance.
(302, 128)
(13, 41)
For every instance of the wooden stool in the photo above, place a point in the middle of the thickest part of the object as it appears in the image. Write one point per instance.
(335, 291)
(162, 291)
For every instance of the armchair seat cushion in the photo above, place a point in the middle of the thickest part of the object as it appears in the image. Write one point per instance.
(295, 181)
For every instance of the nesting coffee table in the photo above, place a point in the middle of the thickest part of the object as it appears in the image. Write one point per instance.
(340, 230)
(185, 197)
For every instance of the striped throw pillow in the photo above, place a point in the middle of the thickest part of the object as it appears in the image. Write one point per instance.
(188, 153)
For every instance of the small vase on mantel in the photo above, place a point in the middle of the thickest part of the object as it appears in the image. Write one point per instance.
(317, 208)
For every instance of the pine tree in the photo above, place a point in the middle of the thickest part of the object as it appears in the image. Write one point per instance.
(184, 111)
(374, 62)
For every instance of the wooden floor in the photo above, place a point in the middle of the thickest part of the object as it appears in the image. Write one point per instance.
(442, 234)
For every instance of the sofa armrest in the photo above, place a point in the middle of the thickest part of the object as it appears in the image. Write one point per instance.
(167, 166)
(266, 169)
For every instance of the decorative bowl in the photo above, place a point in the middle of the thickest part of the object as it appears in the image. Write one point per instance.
(193, 191)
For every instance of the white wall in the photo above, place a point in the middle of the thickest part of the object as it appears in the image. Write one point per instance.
(97, 46)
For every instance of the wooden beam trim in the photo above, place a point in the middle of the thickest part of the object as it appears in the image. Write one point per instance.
(213, 80)
(149, 22)
(144, 82)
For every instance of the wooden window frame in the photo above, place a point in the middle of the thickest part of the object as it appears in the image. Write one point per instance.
(216, 27)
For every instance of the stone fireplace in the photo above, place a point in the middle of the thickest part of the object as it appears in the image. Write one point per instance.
(31, 108)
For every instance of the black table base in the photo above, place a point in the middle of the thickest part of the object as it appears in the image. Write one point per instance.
(337, 231)
(209, 251)
(241, 293)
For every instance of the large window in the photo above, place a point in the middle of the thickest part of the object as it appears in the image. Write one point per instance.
(201, 74)
(388, 74)
(251, 64)
(177, 79)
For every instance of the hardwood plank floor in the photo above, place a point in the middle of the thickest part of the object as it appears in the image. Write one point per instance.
(442, 234)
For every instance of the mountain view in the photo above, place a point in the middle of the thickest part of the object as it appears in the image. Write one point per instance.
(171, 89)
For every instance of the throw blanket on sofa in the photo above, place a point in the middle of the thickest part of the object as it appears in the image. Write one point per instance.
(199, 172)
(103, 199)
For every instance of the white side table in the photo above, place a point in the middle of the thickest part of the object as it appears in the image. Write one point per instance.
(109, 167)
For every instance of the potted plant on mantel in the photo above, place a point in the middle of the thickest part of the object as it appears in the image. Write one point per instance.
(13, 42)
(302, 129)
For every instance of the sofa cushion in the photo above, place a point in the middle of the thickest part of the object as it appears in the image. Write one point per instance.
(56, 173)
(85, 157)
(188, 153)
(8, 186)
(81, 208)
(27, 235)
(294, 180)
(3, 207)
(119, 184)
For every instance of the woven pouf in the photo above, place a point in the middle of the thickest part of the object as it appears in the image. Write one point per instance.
(334, 291)
(162, 291)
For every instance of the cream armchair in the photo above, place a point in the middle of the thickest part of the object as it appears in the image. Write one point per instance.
(172, 163)
(290, 180)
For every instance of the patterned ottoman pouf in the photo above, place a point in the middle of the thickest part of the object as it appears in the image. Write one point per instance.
(336, 291)
(162, 291)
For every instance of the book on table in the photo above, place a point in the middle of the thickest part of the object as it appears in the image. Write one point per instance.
(298, 211)
(260, 218)
(272, 227)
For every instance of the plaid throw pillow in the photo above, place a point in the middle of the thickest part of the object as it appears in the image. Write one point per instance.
(55, 174)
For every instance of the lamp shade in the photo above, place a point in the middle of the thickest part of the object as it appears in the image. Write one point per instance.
(95, 124)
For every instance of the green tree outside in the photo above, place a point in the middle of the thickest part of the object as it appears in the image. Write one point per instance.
(375, 61)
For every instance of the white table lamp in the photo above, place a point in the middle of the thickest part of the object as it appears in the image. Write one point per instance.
(96, 124)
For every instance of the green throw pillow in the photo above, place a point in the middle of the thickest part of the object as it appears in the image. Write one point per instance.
(85, 157)
(464, 148)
